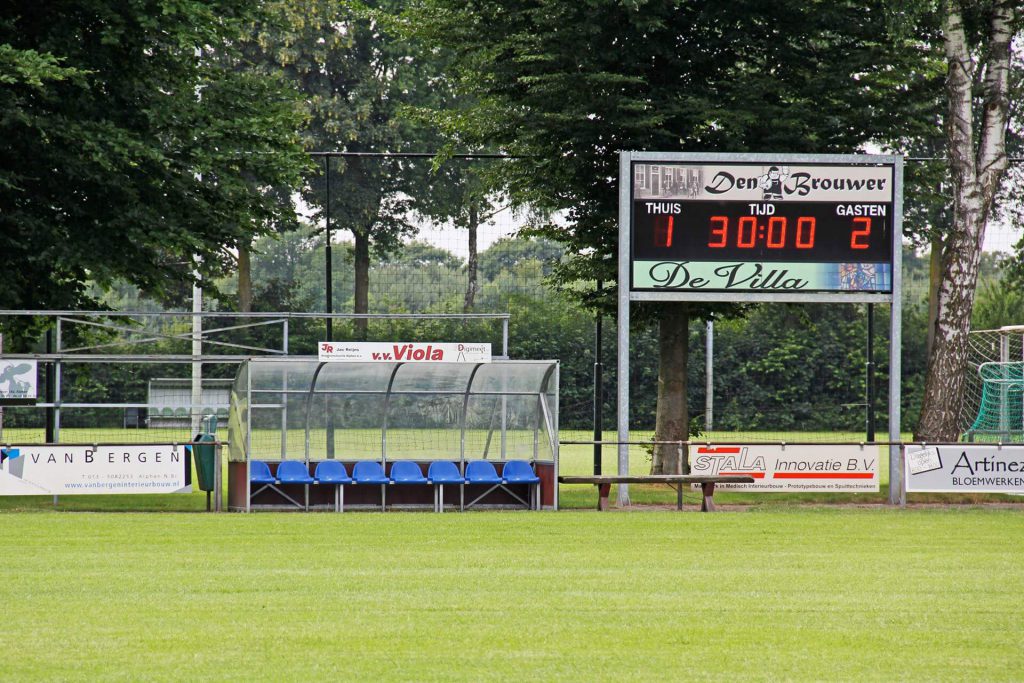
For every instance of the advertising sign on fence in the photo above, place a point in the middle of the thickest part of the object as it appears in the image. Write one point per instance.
(404, 352)
(964, 468)
(774, 467)
(76, 470)
(18, 381)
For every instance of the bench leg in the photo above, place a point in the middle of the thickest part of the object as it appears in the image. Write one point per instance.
(603, 491)
(679, 496)
(707, 503)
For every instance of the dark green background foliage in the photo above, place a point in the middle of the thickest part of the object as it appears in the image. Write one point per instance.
(123, 155)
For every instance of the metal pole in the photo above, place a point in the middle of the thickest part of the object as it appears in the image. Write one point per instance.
(709, 375)
(197, 351)
(869, 400)
(49, 389)
(51, 416)
(218, 483)
(598, 387)
(1, 407)
(622, 364)
(327, 251)
(897, 489)
(329, 296)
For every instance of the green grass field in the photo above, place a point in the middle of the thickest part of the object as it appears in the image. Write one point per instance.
(799, 594)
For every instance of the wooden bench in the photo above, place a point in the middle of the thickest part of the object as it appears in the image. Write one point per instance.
(675, 481)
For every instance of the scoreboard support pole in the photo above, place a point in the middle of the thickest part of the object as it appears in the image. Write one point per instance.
(622, 352)
(897, 488)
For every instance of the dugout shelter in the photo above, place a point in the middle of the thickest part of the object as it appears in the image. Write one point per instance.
(307, 410)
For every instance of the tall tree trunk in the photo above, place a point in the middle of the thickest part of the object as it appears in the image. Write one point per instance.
(362, 281)
(471, 261)
(672, 422)
(244, 279)
(976, 178)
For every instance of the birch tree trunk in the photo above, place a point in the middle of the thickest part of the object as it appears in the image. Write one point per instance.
(672, 422)
(976, 169)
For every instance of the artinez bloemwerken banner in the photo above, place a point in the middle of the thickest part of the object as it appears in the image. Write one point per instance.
(774, 467)
(75, 470)
(964, 468)
(404, 352)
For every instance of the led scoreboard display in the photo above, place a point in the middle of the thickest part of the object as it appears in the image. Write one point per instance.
(761, 227)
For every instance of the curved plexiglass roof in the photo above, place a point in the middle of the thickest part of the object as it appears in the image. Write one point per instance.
(301, 408)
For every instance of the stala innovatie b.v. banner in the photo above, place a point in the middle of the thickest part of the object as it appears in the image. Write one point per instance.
(823, 468)
(77, 470)
(964, 468)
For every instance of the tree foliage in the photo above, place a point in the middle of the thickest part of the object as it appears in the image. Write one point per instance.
(123, 154)
(567, 85)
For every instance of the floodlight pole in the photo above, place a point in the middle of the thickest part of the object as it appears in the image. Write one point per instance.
(869, 398)
(598, 386)
(327, 250)
(329, 295)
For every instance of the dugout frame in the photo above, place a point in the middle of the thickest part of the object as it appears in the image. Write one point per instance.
(626, 294)
(302, 408)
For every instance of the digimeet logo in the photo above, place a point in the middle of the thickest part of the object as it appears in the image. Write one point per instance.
(728, 461)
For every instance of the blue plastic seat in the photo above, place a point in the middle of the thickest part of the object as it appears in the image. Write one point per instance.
(481, 472)
(519, 472)
(369, 472)
(293, 472)
(333, 473)
(444, 472)
(259, 473)
(406, 472)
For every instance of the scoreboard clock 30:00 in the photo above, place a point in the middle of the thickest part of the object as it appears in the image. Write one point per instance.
(761, 227)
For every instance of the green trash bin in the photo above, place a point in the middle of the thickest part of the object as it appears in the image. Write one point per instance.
(205, 461)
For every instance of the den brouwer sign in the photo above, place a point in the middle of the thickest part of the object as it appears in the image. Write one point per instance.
(27, 470)
(761, 227)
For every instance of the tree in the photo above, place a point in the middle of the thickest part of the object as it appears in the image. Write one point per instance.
(112, 167)
(978, 44)
(356, 76)
(567, 85)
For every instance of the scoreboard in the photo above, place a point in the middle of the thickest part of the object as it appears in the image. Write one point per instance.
(770, 226)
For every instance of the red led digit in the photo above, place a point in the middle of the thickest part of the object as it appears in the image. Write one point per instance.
(776, 232)
(747, 232)
(721, 232)
(663, 231)
(805, 227)
(865, 232)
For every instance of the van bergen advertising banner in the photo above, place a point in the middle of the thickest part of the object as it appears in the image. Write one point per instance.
(964, 468)
(774, 467)
(75, 470)
(404, 352)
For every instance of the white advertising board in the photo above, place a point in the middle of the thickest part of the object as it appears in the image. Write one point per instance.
(822, 468)
(77, 470)
(18, 380)
(404, 352)
(964, 468)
